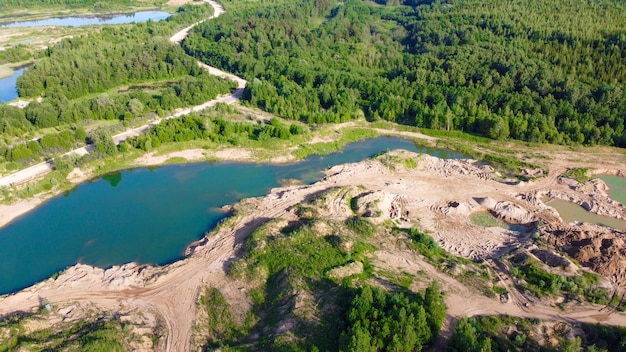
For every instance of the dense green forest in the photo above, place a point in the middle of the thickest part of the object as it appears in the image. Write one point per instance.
(119, 73)
(14, 54)
(381, 321)
(79, 77)
(532, 70)
(216, 129)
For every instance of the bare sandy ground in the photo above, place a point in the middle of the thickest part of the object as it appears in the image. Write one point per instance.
(181, 2)
(427, 192)
(9, 212)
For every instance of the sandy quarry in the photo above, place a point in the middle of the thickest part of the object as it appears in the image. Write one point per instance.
(437, 195)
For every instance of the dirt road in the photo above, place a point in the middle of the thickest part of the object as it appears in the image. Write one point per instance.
(172, 291)
(43, 168)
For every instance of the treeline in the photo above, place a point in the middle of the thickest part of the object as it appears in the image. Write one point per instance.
(216, 129)
(95, 63)
(191, 90)
(15, 54)
(46, 147)
(533, 70)
(126, 107)
(121, 72)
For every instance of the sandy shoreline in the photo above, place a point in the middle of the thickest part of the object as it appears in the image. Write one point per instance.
(429, 192)
(9, 212)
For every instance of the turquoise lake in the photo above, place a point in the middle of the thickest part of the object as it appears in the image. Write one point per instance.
(150, 215)
(572, 212)
(8, 86)
(617, 187)
(78, 21)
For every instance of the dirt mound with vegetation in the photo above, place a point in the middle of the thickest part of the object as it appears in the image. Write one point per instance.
(398, 220)
(601, 249)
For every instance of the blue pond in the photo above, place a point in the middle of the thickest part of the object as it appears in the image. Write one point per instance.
(8, 87)
(150, 215)
(77, 21)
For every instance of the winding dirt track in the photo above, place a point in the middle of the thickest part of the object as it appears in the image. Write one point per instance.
(43, 168)
(173, 294)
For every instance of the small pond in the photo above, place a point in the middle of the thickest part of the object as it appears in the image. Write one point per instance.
(617, 187)
(8, 86)
(571, 212)
(78, 21)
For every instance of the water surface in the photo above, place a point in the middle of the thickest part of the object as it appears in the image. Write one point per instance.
(572, 212)
(150, 215)
(617, 187)
(8, 86)
(78, 21)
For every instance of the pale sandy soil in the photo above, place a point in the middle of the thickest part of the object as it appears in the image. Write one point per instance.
(234, 154)
(427, 192)
(9, 212)
(227, 154)
(20, 103)
(5, 71)
(78, 176)
(180, 2)
(150, 159)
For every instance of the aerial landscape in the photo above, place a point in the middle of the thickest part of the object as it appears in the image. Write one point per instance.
(314, 175)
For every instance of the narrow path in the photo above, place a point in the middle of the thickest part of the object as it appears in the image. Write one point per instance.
(45, 167)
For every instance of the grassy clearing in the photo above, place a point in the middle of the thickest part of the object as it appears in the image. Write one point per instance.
(456, 135)
(486, 219)
(347, 135)
(53, 183)
(392, 161)
(428, 247)
(402, 279)
(580, 174)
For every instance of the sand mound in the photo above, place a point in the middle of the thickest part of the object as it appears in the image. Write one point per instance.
(599, 248)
